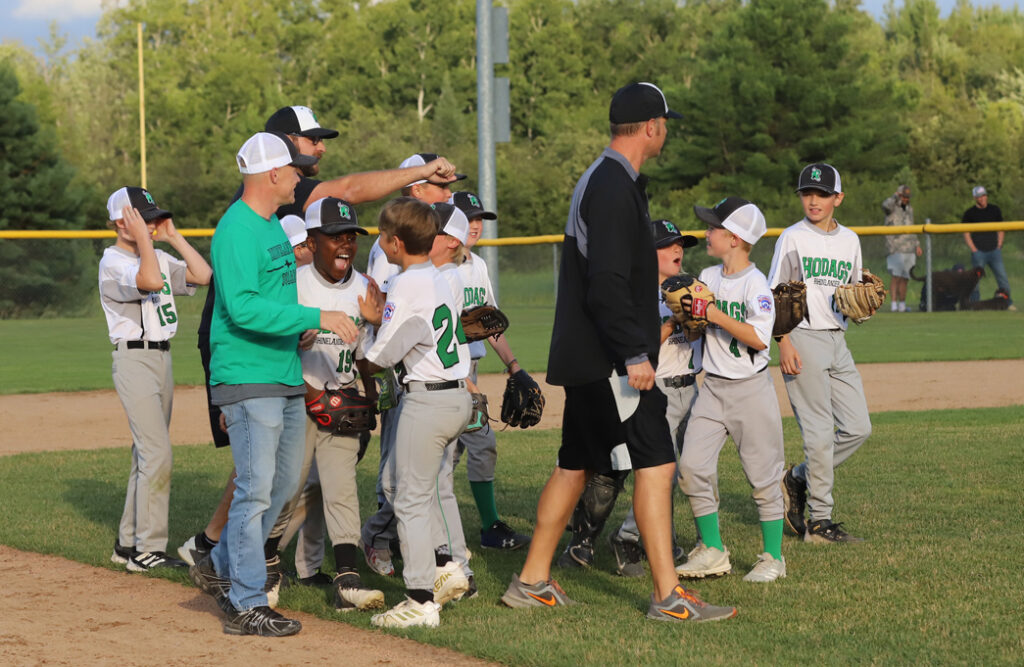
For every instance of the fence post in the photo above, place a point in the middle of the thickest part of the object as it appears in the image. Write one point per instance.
(928, 266)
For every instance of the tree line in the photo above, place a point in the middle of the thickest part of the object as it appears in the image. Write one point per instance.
(765, 86)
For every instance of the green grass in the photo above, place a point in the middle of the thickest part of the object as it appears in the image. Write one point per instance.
(936, 494)
(74, 354)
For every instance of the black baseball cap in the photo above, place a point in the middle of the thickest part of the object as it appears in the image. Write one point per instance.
(666, 233)
(298, 120)
(820, 176)
(331, 215)
(736, 214)
(137, 198)
(420, 159)
(638, 102)
(471, 206)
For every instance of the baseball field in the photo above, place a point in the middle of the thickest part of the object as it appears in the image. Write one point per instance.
(934, 491)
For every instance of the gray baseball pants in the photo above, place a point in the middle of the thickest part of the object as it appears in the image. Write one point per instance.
(828, 401)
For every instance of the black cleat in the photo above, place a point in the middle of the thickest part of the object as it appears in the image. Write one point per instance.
(794, 496)
(826, 532)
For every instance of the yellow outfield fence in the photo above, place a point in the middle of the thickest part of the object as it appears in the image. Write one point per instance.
(874, 230)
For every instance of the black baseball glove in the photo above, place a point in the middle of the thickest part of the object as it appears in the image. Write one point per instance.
(523, 403)
(342, 412)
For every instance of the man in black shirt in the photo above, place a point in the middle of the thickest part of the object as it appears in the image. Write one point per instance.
(604, 349)
(986, 247)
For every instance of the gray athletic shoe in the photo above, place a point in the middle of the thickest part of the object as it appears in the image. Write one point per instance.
(545, 594)
(206, 578)
(628, 556)
(685, 605)
(262, 621)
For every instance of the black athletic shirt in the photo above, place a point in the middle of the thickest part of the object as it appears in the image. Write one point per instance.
(984, 241)
(606, 314)
(302, 192)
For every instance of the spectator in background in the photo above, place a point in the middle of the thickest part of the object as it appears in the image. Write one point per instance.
(986, 247)
(903, 249)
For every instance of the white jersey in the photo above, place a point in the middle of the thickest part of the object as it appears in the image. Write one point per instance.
(822, 260)
(478, 292)
(378, 267)
(454, 278)
(420, 328)
(331, 362)
(745, 297)
(131, 313)
(677, 356)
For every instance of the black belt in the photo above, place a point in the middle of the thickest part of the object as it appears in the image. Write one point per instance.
(414, 385)
(679, 381)
(164, 345)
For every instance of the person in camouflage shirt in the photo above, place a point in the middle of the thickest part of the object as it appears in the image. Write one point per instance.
(903, 249)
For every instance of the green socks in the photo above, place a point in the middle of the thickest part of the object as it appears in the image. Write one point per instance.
(771, 532)
(707, 526)
(483, 494)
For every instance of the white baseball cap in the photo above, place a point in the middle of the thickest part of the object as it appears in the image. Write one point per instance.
(264, 151)
(453, 221)
(737, 215)
(420, 159)
(979, 191)
(294, 228)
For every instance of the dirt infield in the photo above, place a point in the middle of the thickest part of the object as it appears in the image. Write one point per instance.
(100, 621)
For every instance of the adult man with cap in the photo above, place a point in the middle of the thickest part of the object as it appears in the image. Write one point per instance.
(300, 125)
(604, 349)
(986, 247)
(903, 249)
(256, 377)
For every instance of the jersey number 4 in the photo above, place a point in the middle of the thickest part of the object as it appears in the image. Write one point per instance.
(451, 334)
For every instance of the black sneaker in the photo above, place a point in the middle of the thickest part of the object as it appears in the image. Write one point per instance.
(826, 532)
(627, 556)
(794, 496)
(204, 576)
(319, 580)
(472, 591)
(145, 561)
(578, 554)
(501, 536)
(194, 549)
(121, 555)
(262, 621)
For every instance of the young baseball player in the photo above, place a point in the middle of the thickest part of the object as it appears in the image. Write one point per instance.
(822, 381)
(379, 530)
(137, 287)
(419, 331)
(679, 362)
(738, 397)
(481, 446)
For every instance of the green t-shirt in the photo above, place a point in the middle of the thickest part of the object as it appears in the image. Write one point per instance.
(257, 316)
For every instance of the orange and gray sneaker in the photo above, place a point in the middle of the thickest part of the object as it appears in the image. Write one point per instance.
(684, 605)
(545, 594)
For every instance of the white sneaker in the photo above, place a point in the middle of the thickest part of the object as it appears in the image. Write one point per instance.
(409, 613)
(349, 594)
(705, 561)
(450, 582)
(767, 569)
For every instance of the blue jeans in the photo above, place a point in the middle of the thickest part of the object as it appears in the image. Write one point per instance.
(267, 443)
(994, 260)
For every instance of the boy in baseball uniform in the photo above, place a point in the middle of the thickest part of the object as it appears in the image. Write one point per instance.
(738, 396)
(419, 332)
(822, 381)
(481, 446)
(679, 362)
(137, 286)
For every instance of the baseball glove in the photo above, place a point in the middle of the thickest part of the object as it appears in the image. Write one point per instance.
(688, 299)
(342, 412)
(790, 306)
(479, 417)
(523, 403)
(859, 301)
(483, 322)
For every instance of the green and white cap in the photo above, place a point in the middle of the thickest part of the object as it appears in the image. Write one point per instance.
(820, 176)
(331, 215)
(137, 198)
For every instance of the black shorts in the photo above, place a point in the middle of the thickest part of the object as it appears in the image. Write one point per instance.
(591, 429)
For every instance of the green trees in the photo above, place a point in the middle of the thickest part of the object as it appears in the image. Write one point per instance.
(36, 192)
